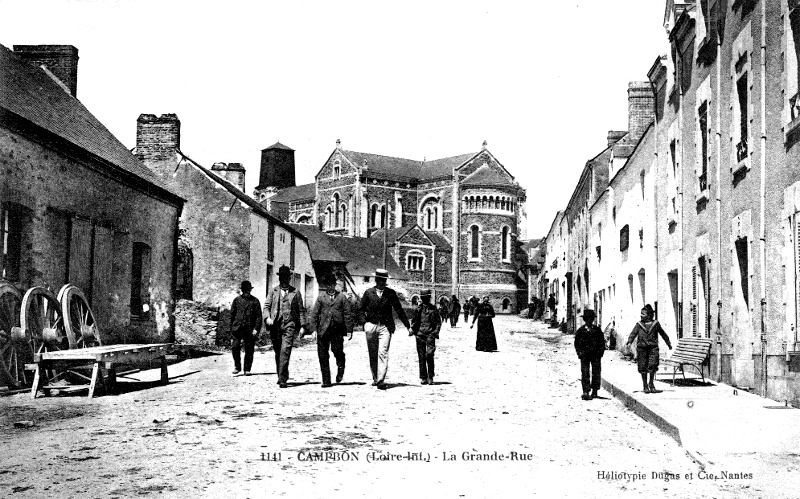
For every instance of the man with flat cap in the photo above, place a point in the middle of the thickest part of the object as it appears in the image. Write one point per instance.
(376, 307)
(285, 316)
(245, 325)
(425, 325)
(332, 319)
(590, 344)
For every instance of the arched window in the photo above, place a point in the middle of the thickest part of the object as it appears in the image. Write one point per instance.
(304, 219)
(474, 242)
(374, 216)
(506, 304)
(504, 235)
(435, 217)
(472, 202)
(329, 217)
(343, 209)
(383, 216)
(337, 169)
(415, 260)
(491, 202)
(428, 218)
(503, 204)
(336, 210)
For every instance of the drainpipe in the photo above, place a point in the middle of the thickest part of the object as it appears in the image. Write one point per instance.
(719, 207)
(763, 190)
(679, 82)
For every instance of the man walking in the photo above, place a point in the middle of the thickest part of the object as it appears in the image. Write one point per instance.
(455, 310)
(376, 306)
(332, 319)
(425, 325)
(590, 344)
(285, 317)
(245, 325)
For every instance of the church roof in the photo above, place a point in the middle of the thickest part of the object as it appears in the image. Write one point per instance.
(487, 176)
(409, 169)
(296, 193)
(439, 240)
(30, 93)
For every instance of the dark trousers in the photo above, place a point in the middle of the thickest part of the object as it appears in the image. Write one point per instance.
(240, 337)
(426, 347)
(453, 319)
(595, 383)
(282, 338)
(335, 342)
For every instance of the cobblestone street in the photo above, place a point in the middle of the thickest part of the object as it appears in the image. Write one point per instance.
(209, 434)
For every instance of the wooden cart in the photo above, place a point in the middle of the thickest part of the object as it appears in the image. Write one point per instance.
(101, 359)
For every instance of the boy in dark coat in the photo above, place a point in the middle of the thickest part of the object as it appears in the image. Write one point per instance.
(590, 345)
(647, 332)
(425, 325)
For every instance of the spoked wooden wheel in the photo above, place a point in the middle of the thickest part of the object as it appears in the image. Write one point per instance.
(13, 354)
(42, 321)
(79, 320)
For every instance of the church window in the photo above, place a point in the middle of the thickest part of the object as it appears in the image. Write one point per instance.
(329, 217)
(415, 260)
(374, 216)
(383, 216)
(474, 242)
(506, 239)
(337, 169)
(343, 209)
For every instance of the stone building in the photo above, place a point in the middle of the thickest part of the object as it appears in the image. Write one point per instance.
(226, 236)
(77, 206)
(452, 223)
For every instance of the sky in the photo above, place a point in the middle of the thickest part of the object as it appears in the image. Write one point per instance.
(541, 82)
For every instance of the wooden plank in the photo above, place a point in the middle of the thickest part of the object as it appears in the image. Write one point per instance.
(95, 374)
(37, 380)
(164, 375)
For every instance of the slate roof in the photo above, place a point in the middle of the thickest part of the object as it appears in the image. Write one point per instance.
(362, 255)
(278, 145)
(407, 168)
(32, 94)
(297, 193)
(487, 176)
(397, 233)
(439, 240)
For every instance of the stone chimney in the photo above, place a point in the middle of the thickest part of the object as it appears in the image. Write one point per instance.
(157, 138)
(614, 136)
(60, 60)
(641, 108)
(277, 167)
(232, 172)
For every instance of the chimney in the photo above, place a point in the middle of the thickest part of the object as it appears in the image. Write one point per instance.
(157, 138)
(60, 60)
(614, 136)
(641, 108)
(277, 167)
(232, 172)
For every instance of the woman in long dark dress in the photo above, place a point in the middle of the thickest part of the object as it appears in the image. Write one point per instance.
(486, 340)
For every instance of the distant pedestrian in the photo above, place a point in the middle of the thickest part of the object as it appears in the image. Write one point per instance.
(245, 326)
(465, 306)
(646, 332)
(376, 306)
(590, 346)
(332, 319)
(473, 305)
(485, 340)
(285, 318)
(444, 308)
(455, 310)
(425, 325)
(551, 304)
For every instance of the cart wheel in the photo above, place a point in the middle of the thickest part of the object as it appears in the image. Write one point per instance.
(13, 355)
(79, 320)
(42, 322)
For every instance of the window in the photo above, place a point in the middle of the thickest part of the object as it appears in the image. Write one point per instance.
(292, 246)
(337, 169)
(702, 121)
(12, 226)
(415, 260)
(506, 304)
(741, 91)
(329, 217)
(140, 280)
(343, 210)
(383, 216)
(505, 236)
(184, 280)
(744, 269)
(336, 211)
(374, 216)
(474, 242)
(366, 278)
(624, 236)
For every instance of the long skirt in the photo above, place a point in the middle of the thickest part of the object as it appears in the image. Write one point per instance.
(486, 341)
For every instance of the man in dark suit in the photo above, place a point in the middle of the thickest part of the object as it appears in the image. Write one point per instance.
(245, 325)
(332, 319)
(285, 316)
(590, 344)
(376, 307)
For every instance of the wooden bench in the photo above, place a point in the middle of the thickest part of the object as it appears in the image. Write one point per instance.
(98, 359)
(692, 352)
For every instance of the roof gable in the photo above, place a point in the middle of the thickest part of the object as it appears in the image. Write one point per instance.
(486, 175)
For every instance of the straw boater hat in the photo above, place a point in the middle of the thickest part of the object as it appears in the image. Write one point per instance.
(381, 273)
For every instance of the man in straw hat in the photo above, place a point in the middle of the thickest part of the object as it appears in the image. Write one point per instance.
(331, 318)
(245, 325)
(590, 344)
(285, 316)
(376, 307)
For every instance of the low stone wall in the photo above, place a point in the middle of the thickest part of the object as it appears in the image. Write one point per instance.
(195, 324)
